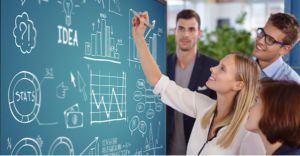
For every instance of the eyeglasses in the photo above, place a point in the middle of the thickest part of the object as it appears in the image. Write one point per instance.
(268, 39)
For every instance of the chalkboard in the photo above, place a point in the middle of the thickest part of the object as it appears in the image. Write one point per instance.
(72, 82)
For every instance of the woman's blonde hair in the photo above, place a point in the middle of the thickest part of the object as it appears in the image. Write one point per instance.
(248, 71)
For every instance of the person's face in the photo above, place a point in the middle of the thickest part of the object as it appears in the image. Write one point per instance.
(187, 34)
(265, 52)
(223, 76)
(255, 114)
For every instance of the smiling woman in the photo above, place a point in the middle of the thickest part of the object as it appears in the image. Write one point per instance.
(219, 123)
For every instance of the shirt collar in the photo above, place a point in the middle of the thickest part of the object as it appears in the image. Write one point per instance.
(273, 68)
(285, 150)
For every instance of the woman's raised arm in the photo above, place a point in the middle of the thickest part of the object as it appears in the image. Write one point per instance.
(150, 68)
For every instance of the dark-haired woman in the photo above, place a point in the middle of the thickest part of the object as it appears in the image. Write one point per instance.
(275, 116)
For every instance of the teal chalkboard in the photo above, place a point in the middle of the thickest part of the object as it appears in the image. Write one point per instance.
(71, 79)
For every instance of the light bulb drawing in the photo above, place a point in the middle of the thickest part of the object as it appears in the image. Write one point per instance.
(68, 7)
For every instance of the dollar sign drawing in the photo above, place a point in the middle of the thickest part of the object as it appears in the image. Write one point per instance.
(74, 119)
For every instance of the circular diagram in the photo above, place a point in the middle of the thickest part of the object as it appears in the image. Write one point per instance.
(17, 94)
(59, 141)
(27, 142)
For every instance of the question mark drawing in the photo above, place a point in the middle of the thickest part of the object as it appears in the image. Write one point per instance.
(21, 28)
(20, 32)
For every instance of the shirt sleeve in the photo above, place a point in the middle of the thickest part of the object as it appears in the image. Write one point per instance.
(182, 99)
(252, 145)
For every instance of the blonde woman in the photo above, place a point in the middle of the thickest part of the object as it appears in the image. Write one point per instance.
(219, 127)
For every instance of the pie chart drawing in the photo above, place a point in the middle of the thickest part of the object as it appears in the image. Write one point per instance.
(19, 79)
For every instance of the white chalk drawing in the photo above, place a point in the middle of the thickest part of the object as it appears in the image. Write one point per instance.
(150, 98)
(18, 96)
(61, 141)
(150, 144)
(137, 96)
(68, 6)
(134, 124)
(112, 147)
(73, 117)
(24, 33)
(23, 1)
(140, 107)
(39, 141)
(102, 46)
(81, 86)
(153, 23)
(143, 127)
(27, 142)
(8, 143)
(107, 97)
(160, 30)
(138, 152)
(152, 44)
(114, 7)
(73, 79)
(61, 90)
(92, 149)
(40, 1)
(49, 75)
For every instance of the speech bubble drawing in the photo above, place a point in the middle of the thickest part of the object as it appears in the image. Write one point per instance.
(137, 95)
(133, 124)
(150, 113)
(143, 127)
(140, 107)
(140, 84)
(158, 106)
(24, 33)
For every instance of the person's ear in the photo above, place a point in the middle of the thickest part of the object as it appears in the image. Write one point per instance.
(238, 85)
(199, 33)
(285, 49)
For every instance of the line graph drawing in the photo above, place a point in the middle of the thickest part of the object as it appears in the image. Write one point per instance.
(102, 46)
(149, 143)
(107, 97)
(115, 7)
(152, 44)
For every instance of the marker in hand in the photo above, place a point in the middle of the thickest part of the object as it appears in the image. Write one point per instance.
(146, 22)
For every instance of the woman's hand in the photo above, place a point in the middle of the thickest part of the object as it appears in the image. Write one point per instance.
(139, 26)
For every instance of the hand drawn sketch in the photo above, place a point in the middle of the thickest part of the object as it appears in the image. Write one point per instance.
(24, 33)
(107, 97)
(102, 46)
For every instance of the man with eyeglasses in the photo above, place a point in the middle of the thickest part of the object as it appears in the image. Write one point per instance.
(279, 35)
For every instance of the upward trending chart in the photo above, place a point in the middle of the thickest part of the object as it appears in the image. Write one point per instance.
(108, 97)
(102, 46)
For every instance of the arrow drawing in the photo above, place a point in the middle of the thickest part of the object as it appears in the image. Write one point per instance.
(73, 79)
(81, 84)
(153, 23)
(90, 146)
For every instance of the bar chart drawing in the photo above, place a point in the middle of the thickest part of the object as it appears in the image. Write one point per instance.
(107, 97)
(133, 53)
(102, 46)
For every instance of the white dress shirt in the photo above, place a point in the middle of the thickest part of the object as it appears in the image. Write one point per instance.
(195, 105)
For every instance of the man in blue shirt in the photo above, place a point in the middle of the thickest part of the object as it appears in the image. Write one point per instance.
(279, 35)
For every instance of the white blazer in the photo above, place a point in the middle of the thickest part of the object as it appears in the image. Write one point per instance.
(195, 105)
